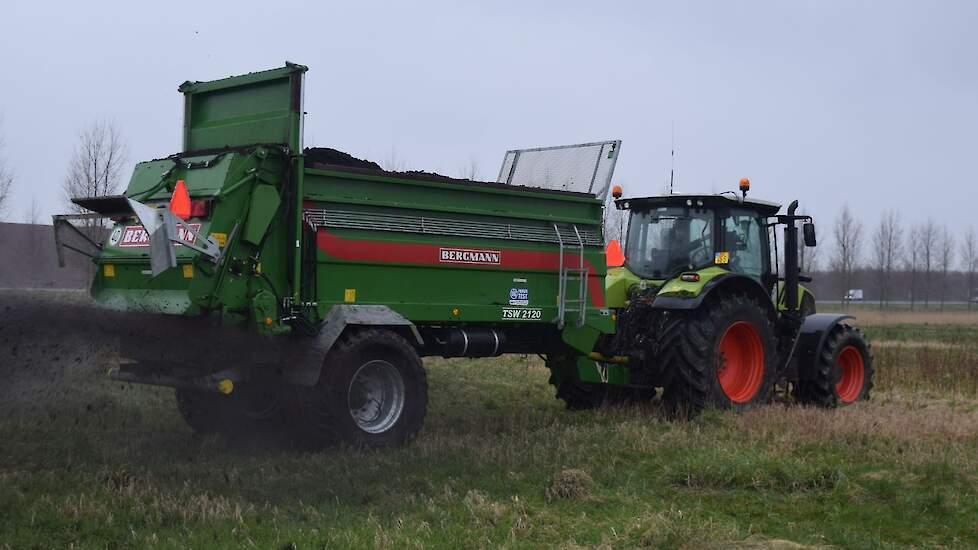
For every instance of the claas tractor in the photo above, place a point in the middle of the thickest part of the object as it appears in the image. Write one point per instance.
(704, 312)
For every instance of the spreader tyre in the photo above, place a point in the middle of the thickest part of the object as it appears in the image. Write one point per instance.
(372, 392)
(581, 396)
(843, 372)
(721, 355)
(253, 409)
(203, 411)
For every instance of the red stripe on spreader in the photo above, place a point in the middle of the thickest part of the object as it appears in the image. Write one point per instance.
(428, 254)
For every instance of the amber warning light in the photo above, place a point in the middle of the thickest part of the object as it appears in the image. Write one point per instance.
(744, 186)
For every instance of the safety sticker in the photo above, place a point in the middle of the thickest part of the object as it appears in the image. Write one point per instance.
(519, 296)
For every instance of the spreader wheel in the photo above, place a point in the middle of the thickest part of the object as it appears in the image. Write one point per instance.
(372, 392)
(252, 410)
(203, 411)
(720, 355)
(843, 372)
(581, 396)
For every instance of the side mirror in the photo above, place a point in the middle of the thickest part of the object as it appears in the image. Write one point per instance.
(808, 230)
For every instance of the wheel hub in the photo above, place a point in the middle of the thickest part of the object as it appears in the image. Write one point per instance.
(851, 374)
(376, 396)
(740, 362)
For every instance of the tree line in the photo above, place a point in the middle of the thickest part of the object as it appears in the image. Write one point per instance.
(922, 262)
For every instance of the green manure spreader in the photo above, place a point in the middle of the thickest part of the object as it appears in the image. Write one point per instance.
(295, 290)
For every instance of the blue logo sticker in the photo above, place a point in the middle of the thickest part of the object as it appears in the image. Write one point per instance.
(519, 296)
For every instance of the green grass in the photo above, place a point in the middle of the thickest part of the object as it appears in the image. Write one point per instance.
(89, 463)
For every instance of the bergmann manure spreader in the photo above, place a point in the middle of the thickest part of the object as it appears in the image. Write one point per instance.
(297, 289)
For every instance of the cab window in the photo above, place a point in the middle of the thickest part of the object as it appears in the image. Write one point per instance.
(743, 237)
(665, 241)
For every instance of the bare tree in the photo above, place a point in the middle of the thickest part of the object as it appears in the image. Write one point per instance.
(928, 245)
(393, 163)
(969, 262)
(33, 213)
(96, 165)
(886, 249)
(34, 241)
(848, 241)
(469, 171)
(945, 258)
(6, 180)
(913, 262)
(807, 256)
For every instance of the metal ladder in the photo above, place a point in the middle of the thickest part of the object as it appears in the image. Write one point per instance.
(567, 275)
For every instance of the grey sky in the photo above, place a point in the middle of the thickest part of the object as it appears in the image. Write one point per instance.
(874, 103)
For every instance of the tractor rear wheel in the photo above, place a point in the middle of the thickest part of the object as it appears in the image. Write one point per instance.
(721, 355)
(372, 392)
(843, 371)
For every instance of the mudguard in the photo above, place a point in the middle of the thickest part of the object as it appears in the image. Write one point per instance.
(305, 368)
(811, 338)
(726, 280)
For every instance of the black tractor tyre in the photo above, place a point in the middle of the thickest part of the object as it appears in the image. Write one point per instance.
(843, 372)
(694, 349)
(203, 411)
(372, 392)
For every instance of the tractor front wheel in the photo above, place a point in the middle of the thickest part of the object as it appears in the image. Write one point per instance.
(843, 371)
(721, 355)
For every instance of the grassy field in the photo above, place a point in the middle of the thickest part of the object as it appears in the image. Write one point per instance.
(85, 462)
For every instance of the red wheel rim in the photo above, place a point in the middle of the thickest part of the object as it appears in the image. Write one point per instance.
(741, 362)
(850, 383)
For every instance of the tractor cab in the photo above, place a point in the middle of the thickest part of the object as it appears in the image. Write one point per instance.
(679, 244)
(675, 234)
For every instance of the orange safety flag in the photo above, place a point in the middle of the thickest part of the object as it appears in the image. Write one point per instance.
(614, 255)
(180, 201)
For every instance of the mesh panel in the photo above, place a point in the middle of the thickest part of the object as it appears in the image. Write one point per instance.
(584, 168)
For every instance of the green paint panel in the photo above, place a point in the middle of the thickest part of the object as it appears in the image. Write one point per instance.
(431, 196)
(264, 205)
(243, 110)
(419, 272)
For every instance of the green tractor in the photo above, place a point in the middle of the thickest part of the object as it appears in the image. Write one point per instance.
(704, 311)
